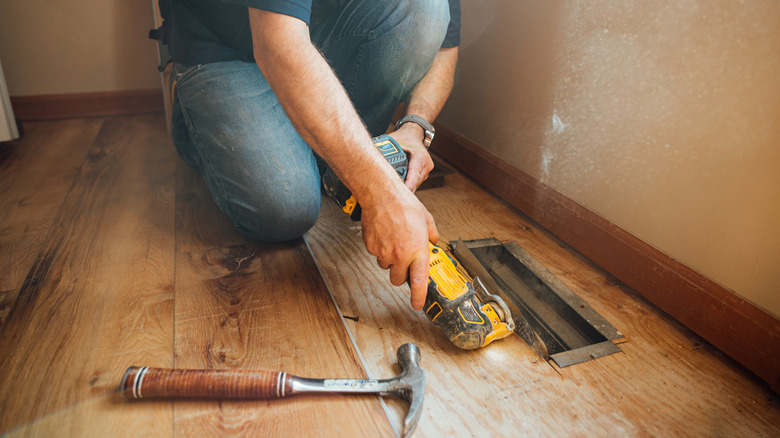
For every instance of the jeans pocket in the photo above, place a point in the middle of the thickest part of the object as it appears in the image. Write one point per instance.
(182, 71)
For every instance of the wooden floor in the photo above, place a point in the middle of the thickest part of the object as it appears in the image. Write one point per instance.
(112, 254)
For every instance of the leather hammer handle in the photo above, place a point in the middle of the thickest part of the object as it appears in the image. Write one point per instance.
(146, 382)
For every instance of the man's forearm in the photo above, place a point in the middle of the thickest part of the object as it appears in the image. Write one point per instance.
(431, 93)
(427, 100)
(316, 102)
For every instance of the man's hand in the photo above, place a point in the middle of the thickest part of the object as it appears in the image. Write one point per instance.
(397, 229)
(410, 137)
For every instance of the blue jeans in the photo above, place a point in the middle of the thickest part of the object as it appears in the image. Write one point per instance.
(229, 125)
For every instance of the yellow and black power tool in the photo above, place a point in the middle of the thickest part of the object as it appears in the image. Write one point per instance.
(469, 315)
(337, 191)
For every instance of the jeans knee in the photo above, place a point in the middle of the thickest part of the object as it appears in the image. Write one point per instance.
(288, 223)
(275, 220)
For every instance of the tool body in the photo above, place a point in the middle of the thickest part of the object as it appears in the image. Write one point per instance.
(470, 317)
(146, 382)
(337, 191)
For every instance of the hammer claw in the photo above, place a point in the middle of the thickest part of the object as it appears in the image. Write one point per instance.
(414, 378)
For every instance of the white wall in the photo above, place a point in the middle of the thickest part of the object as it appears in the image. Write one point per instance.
(77, 46)
(663, 117)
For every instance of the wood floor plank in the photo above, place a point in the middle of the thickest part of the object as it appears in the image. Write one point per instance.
(259, 306)
(99, 297)
(34, 179)
(667, 381)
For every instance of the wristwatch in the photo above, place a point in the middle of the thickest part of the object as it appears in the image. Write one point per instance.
(427, 127)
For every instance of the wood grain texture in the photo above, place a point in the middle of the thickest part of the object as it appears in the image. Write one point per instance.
(259, 306)
(99, 295)
(667, 381)
(32, 194)
(737, 327)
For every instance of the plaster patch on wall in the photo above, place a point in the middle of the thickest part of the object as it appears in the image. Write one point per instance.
(547, 157)
(547, 153)
(557, 124)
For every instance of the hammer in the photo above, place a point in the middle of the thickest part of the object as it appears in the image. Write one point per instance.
(146, 382)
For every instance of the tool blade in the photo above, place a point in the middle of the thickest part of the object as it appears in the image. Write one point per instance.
(474, 267)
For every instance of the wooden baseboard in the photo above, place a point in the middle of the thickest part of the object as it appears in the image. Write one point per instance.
(740, 329)
(107, 103)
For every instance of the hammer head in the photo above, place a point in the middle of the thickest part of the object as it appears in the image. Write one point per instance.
(411, 384)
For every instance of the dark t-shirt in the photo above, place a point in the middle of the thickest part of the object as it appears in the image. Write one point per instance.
(204, 31)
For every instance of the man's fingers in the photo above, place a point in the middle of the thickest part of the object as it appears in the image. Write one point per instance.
(420, 165)
(415, 175)
(413, 180)
(417, 276)
(418, 281)
(397, 275)
(433, 232)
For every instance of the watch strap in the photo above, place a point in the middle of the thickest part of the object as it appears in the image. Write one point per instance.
(427, 127)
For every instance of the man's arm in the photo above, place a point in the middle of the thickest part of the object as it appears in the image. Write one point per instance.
(427, 100)
(396, 226)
